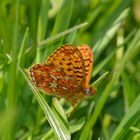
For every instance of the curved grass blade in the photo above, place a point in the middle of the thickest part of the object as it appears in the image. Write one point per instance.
(58, 126)
(132, 118)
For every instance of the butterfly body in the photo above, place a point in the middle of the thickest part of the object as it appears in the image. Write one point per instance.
(66, 73)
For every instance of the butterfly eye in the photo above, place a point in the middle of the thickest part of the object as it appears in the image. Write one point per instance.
(87, 91)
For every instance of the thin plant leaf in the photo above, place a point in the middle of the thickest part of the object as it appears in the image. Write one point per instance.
(59, 128)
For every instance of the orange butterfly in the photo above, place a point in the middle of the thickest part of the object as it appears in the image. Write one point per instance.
(66, 73)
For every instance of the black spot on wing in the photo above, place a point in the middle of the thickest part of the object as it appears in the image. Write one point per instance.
(77, 61)
(87, 59)
(78, 67)
(69, 63)
(69, 69)
(79, 76)
(61, 63)
(78, 72)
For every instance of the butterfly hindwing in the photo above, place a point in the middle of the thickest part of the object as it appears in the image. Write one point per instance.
(53, 80)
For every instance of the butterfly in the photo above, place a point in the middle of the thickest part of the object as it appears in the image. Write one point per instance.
(66, 73)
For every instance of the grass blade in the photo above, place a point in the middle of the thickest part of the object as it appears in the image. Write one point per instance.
(59, 128)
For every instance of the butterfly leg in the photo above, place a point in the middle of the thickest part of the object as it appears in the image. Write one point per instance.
(71, 110)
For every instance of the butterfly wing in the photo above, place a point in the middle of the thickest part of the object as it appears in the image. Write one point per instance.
(53, 80)
(69, 59)
(88, 61)
(66, 73)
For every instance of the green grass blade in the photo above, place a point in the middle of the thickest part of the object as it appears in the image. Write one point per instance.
(63, 16)
(43, 20)
(21, 56)
(102, 42)
(42, 25)
(61, 34)
(132, 118)
(59, 128)
(11, 98)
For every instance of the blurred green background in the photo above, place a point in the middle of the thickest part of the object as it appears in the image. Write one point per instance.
(31, 30)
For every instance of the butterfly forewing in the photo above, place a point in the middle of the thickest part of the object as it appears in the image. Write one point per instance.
(88, 61)
(69, 59)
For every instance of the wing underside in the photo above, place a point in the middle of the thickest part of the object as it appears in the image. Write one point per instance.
(69, 59)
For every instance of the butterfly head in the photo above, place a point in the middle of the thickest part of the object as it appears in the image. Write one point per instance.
(89, 91)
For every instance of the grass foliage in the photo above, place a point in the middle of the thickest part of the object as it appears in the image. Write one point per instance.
(31, 30)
